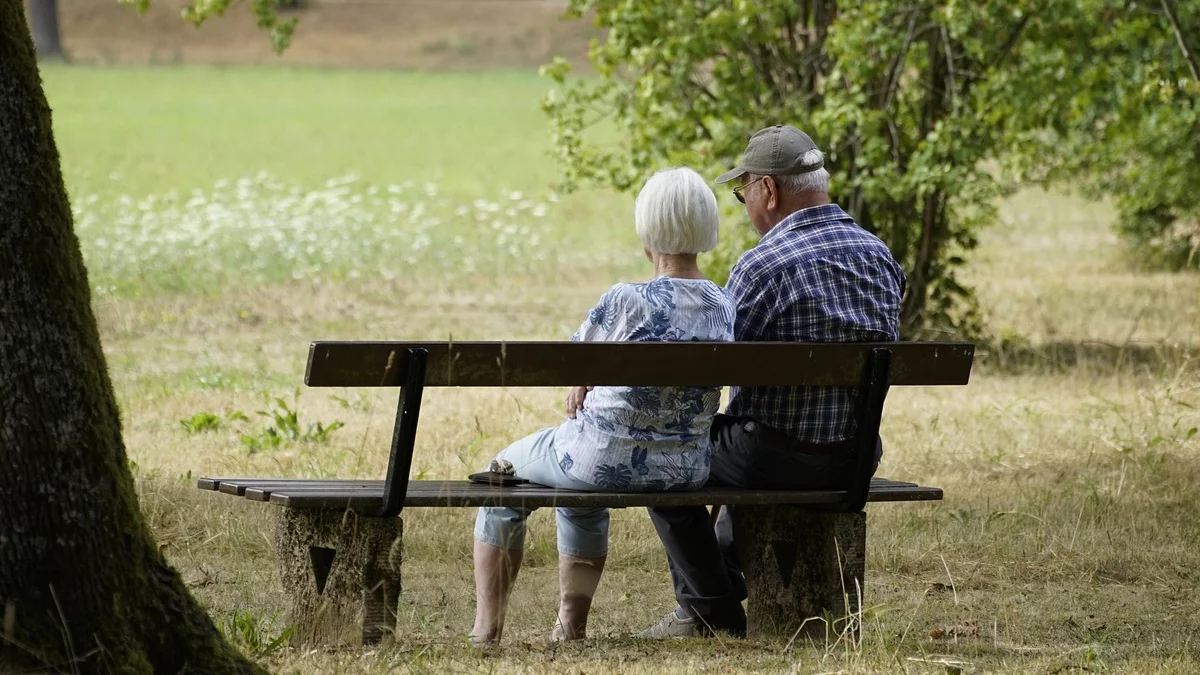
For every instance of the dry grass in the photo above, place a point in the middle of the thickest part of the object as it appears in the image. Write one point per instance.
(1067, 540)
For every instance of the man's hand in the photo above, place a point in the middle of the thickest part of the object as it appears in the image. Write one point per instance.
(575, 399)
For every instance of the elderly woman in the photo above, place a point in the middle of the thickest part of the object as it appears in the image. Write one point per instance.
(618, 439)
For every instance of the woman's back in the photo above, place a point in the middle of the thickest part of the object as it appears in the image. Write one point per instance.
(648, 438)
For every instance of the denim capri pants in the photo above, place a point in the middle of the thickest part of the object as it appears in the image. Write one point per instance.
(582, 532)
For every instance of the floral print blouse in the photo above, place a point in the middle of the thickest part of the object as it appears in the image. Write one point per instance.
(647, 438)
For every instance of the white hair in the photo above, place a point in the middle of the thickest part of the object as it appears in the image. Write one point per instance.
(813, 181)
(676, 212)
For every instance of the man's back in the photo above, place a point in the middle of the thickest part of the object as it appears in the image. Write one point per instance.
(815, 277)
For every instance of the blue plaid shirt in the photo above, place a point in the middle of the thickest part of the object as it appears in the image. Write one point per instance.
(816, 277)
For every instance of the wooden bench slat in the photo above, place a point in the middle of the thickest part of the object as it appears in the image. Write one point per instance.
(547, 364)
(368, 501)
(218, 484)
(261, 489)
(239, 487)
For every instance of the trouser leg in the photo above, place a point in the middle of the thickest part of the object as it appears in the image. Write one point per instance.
(704, 585)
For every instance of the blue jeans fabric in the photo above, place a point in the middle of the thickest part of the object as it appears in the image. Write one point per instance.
(582, 532)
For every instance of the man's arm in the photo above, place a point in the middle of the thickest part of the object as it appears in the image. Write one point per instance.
(754, 299)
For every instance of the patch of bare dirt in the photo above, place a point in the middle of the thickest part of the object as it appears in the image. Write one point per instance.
(420, 34)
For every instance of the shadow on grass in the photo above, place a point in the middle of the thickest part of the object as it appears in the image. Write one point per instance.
(1100, 358)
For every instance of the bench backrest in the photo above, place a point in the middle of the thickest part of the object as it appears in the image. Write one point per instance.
(871, 367)
(535, 364)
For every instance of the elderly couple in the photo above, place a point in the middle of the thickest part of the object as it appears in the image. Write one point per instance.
(814, 276)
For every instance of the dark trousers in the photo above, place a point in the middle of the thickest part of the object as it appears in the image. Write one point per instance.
(703, 561)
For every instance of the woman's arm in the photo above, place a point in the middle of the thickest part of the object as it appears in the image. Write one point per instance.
(597, 327)
(575, 398)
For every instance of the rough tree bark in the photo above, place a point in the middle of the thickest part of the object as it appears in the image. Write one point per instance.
(83, 587)
(43, 19)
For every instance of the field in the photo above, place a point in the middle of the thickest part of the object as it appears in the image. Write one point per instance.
(230, 215)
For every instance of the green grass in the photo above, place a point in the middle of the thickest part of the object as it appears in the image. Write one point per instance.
(1068, 538)
(202, 179)
(163, 129)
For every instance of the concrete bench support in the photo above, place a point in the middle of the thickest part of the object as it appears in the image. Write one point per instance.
(341, 572)
(801, 564)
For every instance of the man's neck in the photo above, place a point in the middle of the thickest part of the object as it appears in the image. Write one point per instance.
(796, 203)
(804, 200)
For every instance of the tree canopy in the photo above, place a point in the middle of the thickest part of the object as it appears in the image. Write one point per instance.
(929, 111)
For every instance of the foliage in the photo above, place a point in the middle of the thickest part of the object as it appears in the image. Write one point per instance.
(254, 636)
(719, 262)
(911, 100)
(1117, 91)
(284, 426)
(201, 422)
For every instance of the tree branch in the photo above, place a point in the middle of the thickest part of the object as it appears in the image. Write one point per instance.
(1011, 42)
(1169, 8)
(765, 53)
(972, 77)
(702, 89)
(789, 23)
(898, 64)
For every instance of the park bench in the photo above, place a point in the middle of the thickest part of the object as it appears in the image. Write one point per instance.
(338, 542)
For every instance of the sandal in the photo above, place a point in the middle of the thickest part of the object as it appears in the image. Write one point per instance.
(499, 474)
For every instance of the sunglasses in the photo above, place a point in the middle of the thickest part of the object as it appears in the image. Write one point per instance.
(737, 191)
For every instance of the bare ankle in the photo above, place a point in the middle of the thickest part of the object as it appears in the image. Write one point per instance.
(485, 636)
(573, 613)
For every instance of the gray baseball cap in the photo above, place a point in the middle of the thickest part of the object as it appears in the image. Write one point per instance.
(775, 151)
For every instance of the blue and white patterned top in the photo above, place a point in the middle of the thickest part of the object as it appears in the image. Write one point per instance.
(815, 277)
(647, 438)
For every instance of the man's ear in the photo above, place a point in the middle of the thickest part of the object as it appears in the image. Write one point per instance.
(772, 193)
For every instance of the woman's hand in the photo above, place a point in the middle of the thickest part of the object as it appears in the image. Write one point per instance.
(575, 399)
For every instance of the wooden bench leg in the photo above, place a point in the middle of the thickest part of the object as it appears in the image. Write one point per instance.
(341, 573)
(801, 564)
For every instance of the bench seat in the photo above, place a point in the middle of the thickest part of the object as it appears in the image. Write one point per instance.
(366, 496)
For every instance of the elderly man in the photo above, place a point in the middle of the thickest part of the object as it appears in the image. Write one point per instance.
(814, 276)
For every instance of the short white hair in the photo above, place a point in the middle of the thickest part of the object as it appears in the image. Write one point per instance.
(813, 181)
(676, 212)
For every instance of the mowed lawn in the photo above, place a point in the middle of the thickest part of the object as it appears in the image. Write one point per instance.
(229, 216)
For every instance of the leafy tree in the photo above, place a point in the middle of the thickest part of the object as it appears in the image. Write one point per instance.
(1121, 104)
(913, 101)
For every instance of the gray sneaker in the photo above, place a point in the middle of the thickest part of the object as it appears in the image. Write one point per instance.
(671, 626)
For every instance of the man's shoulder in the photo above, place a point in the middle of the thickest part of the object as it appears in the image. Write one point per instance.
(807, 240)
(829, 228)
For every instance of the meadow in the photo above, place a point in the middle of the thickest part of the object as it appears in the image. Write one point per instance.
(228, 216)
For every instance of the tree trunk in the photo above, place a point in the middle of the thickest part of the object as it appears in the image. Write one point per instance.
(933, 207)
(83, 587)
(43, 19)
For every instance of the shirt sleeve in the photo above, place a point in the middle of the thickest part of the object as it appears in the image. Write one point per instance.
(753, 300)
(602, 320)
